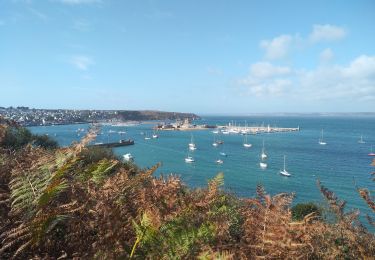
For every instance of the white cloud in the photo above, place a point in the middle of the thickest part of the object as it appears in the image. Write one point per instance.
(266, 79)
(326, 55)
(78, 2)
(326, 33)
(266, 70)
(81, 62)
(277, 47)
(281, 46)
(353, 82)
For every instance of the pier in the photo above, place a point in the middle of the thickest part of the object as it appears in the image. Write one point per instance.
(115, 144)
(229, 129)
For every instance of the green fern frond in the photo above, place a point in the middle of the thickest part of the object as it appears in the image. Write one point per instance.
(52, 191)
(103, 168)
(218, 180)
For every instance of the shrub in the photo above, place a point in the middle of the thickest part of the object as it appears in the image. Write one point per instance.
(94, 154)
(44, 141)
(16, 137)
(300, 210)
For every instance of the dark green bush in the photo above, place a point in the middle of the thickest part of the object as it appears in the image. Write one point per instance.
(300, 210)
(44, 141)
(94, 154)
(17, 137)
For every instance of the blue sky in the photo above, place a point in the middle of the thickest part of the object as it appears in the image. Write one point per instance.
(207, 57)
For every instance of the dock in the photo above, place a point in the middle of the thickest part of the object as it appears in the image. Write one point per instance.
(115, 144)
(228, 129)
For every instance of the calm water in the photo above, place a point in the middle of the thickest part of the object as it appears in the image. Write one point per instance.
(341, 165)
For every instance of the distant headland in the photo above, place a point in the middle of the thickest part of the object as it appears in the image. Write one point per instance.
(26, 116)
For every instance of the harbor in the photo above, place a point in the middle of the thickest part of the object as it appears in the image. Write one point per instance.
(187, 125)
(230, 129)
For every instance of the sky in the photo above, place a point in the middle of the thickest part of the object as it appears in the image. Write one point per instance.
(206, 57)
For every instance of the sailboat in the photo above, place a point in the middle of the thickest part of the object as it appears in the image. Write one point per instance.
(147, 137)
(192, 146)
(285, 172)
(215, 143)
(155, 135)
(263, 155)
(219, 161)
(263, 165)
(321, 142)
(371, 153)
(245, 143)
(360, 141)
(189, 159)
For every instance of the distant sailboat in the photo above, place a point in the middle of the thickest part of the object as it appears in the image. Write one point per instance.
(371, 153)
(189, 159)
(219, 161)
(321, 142)
(263, 155)
(192, 145)
(147, 137)
(155, 135)
(245, 143)
(263, 165)
(360, 141)
(285, 172)
(215, 143)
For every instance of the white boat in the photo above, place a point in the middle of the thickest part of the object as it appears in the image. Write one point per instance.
(189, 159)
(263, 165)
(263, 155)
(215, 143)
(223, 154)
(192, 148)
(121, 132)
(360, 141)
(128, 157)
(285, 172)
(321, 142)
(225, 132)
(219, 161)
(371, 153)
(245, 143)
(192, 144)
(111, 131)
(147, 137)
(215, 131)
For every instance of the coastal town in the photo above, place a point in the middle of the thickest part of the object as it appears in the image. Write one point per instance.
(26, 116)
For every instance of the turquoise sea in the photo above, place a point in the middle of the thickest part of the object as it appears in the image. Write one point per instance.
(341, 165)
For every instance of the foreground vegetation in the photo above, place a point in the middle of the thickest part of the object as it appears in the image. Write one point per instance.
(79, 202)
